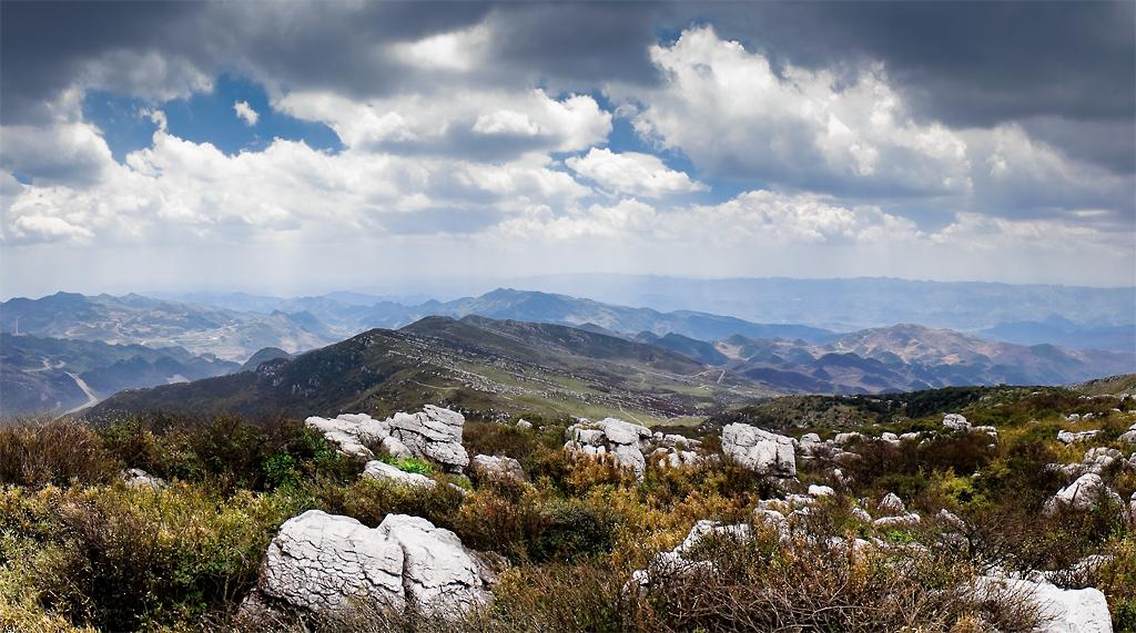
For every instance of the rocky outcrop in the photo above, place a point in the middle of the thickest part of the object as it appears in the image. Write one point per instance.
(138, 478)
(955, 422)
(622, 441)
(433, 433)
(1129, 436)
(1070, 437)
(495, 468)
(1083, 494)
(759, 450)
(1061, 610)
(383, 471)
(322, 563)
(630, 444)
(677, 561)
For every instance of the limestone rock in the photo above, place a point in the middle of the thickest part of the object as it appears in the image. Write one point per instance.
(955, 422)
(821, 491)
(489, 467)
(523, 424)
(1070, 437)
(438, 572)
(759, 450)
(891, 505)
(433, 433)
(321, 563)
(138, 478)
(1084, 493)
(1062, 610)
(629, 444)
(383, 471)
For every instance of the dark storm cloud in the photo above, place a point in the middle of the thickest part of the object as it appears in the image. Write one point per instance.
(1066, 69)
(973, 64)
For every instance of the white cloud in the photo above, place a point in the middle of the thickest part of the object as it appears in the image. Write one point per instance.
(460, 51)
(734, 115)
(246, 113)
(469, 123)
(632, 173)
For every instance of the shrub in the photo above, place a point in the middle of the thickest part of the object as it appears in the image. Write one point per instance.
(121, 559)
(59, 452)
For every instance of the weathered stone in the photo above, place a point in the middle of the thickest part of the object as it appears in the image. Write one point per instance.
(891, 505)
(821, 491)
(955, 422)
(433, 433)
(438, 573)
(904, 520)
(488, 467)
(138, 478)
(1070, 437)
(759, 450)
(322, 563)
(383, 471)
(1084, 493)
(1061, 610)
(524, 424)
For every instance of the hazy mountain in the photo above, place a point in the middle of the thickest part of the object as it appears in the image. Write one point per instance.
(263, 356)
(134, 319)
(505, 367)
(475, 364)
(910, 357)
(1061, 331)
(850, 304)
(40, 375)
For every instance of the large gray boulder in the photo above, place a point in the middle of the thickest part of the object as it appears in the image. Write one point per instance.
(439, 573)
(321, 563)
(759, 450)
(1083, 494)
(433, 433)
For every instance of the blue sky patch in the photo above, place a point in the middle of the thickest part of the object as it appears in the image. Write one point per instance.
(203, 117)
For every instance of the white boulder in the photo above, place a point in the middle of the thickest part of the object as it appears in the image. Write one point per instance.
(955, 422)
(1084, 493)
(1070, 437)
(138, 478)
(433, 433)
(759, 450)
(1061, 610)
(383, 471)
(491, 467)
(320, 563)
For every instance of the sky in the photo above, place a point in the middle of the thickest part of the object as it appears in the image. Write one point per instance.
(301, 147)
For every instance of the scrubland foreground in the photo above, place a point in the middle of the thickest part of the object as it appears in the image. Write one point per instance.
(854, 519)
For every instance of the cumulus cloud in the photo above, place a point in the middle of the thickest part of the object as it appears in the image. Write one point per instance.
(736, 116)
(480, 124)
(245, 113)
(632, 173)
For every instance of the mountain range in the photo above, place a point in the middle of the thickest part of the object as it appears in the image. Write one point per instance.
(500, 368)
(40, 375)
(45, 368)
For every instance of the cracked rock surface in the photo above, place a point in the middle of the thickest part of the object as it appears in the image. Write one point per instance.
(434, 433)
(321, 562)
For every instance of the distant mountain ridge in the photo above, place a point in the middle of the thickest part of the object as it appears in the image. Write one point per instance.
(506, 367)
(54, 375)
(496, 368)
(137, 320)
